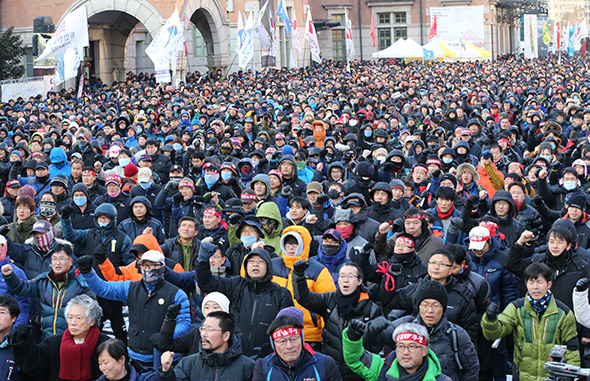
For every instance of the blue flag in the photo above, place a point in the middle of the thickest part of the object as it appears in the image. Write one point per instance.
(282, 13)
(428, 54)
(570, 46)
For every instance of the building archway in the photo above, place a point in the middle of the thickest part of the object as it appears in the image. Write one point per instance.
(209, 17)
(109, 27)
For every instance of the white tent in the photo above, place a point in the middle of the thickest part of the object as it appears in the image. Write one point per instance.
(402, 48)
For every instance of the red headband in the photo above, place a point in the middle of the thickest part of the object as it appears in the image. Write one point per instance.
(212, 212)
(516, 164)
(89, 172)
(410, 336)
(283, 332)
(421, 168)
(503, 140)
(420, 216)
(186, 184)
(432, 161)
(246, 196)
(405, 240)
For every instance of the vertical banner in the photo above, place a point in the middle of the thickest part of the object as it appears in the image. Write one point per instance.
(81, 85)
(543, 36)
(452, 23)
(531, 47)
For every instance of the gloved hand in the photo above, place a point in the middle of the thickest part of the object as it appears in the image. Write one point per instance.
(178, 197)
(366, 249)
(556, 165)
(424, 195)
(67, 211)
(4, 229)
(582, 284)
(22, 332)
(170, 186)
(196, 171)
(100, 254)
(397, 225)
(470, 202)
(207, 239)
(232, 182)
(234, 219)
(376, 326)
(299, 267)
(207, 197)
(286, 191)
(356, 330)
(206, 251)
(388, 166)
(85, 264)
(538, 201)
(425, 182)
(262, 162)
(436, 173)
(17, 163)
(487, 154)
(492, 311)
(173, 311)
(456, 225)
(322, 199)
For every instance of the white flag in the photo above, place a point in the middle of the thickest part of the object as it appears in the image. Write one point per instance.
(240, 32)
(312, 37)
(71, 33)
(296, 43)
(582, 30)
(247, 44)
(165, 46)
(349, 40)
(72, 59)
(263, 36)
(292, 61)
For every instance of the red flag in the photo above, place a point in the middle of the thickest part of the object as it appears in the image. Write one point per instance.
(373, 27)
(432, 29)
(558, 36)
(584, 48)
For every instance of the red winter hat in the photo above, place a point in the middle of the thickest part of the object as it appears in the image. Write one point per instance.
(131, 170)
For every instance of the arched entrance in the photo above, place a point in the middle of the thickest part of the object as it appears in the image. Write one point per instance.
(210, 19)
(109, 27)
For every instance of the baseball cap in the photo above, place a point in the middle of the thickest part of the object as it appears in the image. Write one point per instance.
(176, 168)
(314, 186)
(144, 174)
(41, 227)
(478, 237)
(113, 179)
(152, 256)
(334, 234)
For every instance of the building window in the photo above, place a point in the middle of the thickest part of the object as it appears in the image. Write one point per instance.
(391, 27)
(339, 38)
(199, 47)
(384, 38)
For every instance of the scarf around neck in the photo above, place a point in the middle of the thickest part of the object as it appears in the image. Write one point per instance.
(347, 303)
(75, 358)
(540, 305)
(447, 215)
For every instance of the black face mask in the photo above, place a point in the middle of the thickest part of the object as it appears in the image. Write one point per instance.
(42, 179)
(333, 194)
(396, 166)
(331, 249)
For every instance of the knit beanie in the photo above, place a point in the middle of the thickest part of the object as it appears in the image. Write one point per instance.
(365, 169)
(431, 289)
(80, 187)
(216, 297)
(131, 170)
(291, 311)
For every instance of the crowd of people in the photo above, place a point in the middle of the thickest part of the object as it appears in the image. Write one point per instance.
(399, 221)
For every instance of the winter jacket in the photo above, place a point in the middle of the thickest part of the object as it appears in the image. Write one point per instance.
(161, 165)
(529, 217)
(534, 335)
(503, 285)
(147, 308)
(254, 303)
(230, 365)
(59, 163)
(310, 366)
(50, 297)
(42, 361)
(172, 248)
(581, 307)
(509, 225)
(452, 345)
(23, 301)
(326, 305)
(133, 227)
(383, 213)
(121, 203)
(271, 210)
(297, 185)
(373, 367)
(20, 232)
(319, 280)
(29, 258)
(8, 369)
(554, 195)
(365, 226)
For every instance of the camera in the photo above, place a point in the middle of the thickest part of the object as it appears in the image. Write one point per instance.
(560, 371)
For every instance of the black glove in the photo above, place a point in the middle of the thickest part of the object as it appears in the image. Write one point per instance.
(470, 202)
(376, 326)
(232, 182)
(322, 199)
(17, 163)
(366, 249)
(100, 254)
(356, 330)
(299, 267)
(286, 191)
(397, 225)
(85, 264)
(22, 332)
(456, 225)
(556, 165)
(538, 201)
(207, 197)
(323, 153)
(262, 162)
(234, 219)
(171, 185)
(436, 173)
(67, 211)
(173, 311)
(4, 229)
(492, 311)
(388, 166)
(178, 197)
(582, 284)
(196, 171)
(425, 194)
(425, 182)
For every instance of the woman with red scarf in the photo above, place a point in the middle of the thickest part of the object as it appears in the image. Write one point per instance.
(70, 356)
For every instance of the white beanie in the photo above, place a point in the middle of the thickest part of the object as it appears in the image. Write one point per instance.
(217, 297)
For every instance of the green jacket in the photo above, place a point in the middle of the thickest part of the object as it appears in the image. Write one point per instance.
(534, 338)
(370, 366)
(19, 233)
(271, 210)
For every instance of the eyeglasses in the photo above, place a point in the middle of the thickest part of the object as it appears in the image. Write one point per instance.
(404, 245)
(208, 330)
(150, 266)
(291, 244)
(292, 340)
(257, 261)
(60, 259)
(347, 276)
(435, 263)
(410, 348)
(434, 306)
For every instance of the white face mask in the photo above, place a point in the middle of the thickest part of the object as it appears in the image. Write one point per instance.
(381, 159)
(353, 122)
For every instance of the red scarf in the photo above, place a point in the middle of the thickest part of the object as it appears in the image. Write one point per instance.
(75, 358)
(447, 215)
(519, 205)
